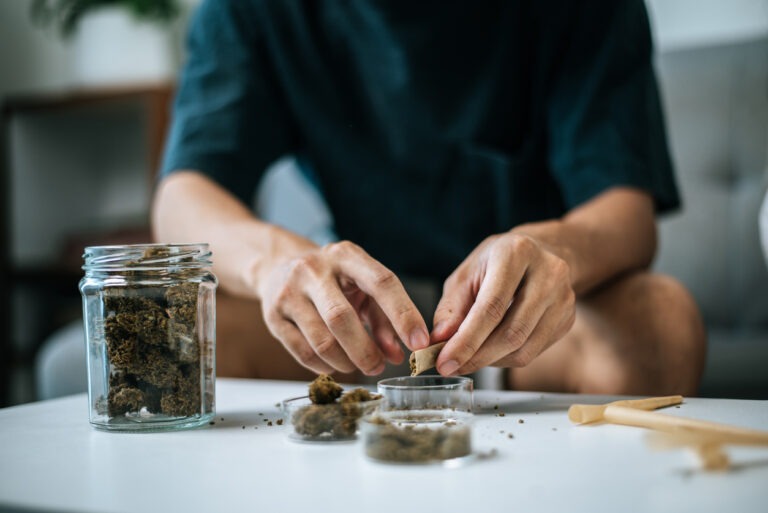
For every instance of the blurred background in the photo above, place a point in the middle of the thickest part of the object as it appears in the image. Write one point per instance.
(84, 118)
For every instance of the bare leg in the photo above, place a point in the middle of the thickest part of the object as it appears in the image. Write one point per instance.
(641, 334)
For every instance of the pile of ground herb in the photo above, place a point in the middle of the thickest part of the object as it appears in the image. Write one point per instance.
(408, 443)
(153, 349)
(333, 415)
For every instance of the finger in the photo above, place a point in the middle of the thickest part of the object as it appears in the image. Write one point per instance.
(385, 288)
(502, 277)
(540, 343)
(560, 318)
(293, 340)
(524, 331)
(453, 307)
(344, 324)
(383, 333)
(320, 338)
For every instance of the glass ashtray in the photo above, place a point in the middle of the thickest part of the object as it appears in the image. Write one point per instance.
(332, 422)
(427, 393)
(418, 436)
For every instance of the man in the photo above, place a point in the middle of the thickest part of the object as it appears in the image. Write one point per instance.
(513, 152)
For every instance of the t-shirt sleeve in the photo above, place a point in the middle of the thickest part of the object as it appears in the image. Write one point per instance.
(605, 122)
(229, 122)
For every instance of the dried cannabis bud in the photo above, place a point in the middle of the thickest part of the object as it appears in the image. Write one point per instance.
(358, 395)
(324, 390)
(153, 349)
(332, 416)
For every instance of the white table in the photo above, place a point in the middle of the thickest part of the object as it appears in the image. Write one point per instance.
(51, 459)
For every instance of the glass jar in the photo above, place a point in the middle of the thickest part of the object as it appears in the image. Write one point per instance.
(427, 393)
(150, 323)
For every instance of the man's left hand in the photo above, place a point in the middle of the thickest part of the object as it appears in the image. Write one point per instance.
(506, 303)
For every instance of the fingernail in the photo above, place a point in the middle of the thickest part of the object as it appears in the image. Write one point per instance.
(439, 327)
(449, 368)
(375, 372)
(419, 339)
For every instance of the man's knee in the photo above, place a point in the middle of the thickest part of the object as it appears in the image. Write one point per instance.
(661, 319)
(681, 329)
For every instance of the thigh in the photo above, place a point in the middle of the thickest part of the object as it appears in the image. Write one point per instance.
(640, 334)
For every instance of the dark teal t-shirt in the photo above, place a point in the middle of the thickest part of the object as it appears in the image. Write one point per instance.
(429, 124)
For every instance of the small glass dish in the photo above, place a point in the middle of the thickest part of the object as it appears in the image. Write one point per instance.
(427, 393)
(418, 436)
(333, 422)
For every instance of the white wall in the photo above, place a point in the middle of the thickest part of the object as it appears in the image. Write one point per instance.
(34, 59)
(684, 24)
(30, 59)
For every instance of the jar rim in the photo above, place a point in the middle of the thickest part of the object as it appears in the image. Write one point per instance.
(146, 256)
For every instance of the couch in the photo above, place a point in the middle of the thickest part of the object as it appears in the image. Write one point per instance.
(716, 102)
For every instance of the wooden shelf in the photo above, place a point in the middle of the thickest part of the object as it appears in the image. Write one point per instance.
(76, 97)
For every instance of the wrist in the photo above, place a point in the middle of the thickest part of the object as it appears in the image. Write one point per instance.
(270, 247)
(555, 236)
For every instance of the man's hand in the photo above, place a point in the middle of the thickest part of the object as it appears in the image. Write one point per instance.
(316, 301)
(506, 303)
(514, 296)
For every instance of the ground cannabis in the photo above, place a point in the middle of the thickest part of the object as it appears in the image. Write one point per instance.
(409, 443)
(153, 349)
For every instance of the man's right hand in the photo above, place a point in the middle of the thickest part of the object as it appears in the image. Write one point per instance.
(315, 300)
(318, 302)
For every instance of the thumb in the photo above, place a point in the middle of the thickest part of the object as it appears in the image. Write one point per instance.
(453, 307)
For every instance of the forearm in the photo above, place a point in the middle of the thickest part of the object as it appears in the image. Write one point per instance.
(611, 234)
(188, 207)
